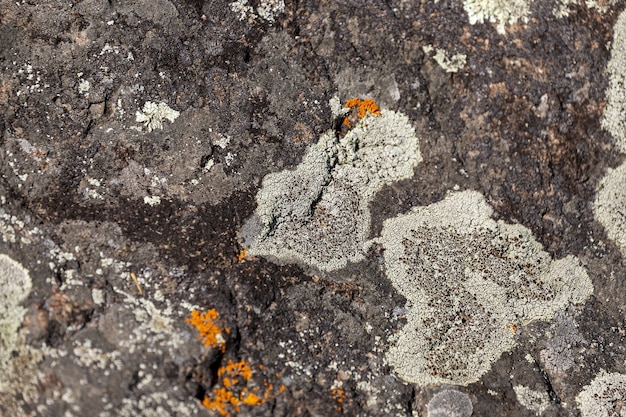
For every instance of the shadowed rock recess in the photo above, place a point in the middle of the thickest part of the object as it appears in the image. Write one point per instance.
(312, 208)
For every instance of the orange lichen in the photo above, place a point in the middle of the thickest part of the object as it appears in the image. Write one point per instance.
(209, 332)
(339, 395)
(364, 106)
(242, 255)
(231, 391)
(238, 369)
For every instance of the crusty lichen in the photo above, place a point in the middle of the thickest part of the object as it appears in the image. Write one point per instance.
(470, 282)
(18, 362)
(502, 12)
(210, 332)
(450, 403)
(152, 115)
(608, 206)
(614, 117)
(266, 9)
(535, 401)
(317, 213)
(235, 389)
(15, 286)
(604, 396)
(561, 340)
(449, 63)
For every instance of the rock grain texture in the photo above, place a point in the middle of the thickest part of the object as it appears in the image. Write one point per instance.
(203, 207)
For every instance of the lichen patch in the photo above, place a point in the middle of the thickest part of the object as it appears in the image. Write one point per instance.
(470, 282)
(614, 117)
(608, 206)
(317, 213)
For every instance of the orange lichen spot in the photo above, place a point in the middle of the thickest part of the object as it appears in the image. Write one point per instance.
(209, 332)
(364, 106)
(346, 122)
(297, 139)
(232, 391)
(253, 399)
(235, 369)
(242, 255)
(339, 395)
(282, 388)
(220, 402)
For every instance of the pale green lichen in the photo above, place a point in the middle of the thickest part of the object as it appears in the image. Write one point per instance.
(317, 213)
(614, 117)
(470, 282)
(608, 206)
(502, 12)
(450, 403)
(560, 340)
(18, 362)
(449, 63)
(266, 9)
(20, 380)
(604, 396)
(152, 200)
(564, 7)
(535, 401)
(152, 115)
(15, 286)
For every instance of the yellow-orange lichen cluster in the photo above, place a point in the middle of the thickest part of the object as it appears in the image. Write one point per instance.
(339, 395)
(232, 391)
(364, 106)
(209, 331)
(242, 254)
(234, 387)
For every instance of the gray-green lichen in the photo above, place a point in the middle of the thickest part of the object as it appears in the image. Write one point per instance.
(470, 281)
(15, 286)
(450, 403)
(502, 12)
(604, 396)
(561, 340)
(608, 206)
(152, 115)
(18, 361)
(317, 213)
(614, 118)
(535, 401)
(449, 63)
(266, 9)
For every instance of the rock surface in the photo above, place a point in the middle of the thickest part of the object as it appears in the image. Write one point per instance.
(136, 137)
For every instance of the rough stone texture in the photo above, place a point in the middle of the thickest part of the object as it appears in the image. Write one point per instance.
(125, 231)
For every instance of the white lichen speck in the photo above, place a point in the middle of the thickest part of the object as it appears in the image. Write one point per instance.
(152, 115)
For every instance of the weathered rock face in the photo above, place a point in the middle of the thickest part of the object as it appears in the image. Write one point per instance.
(196, 218)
